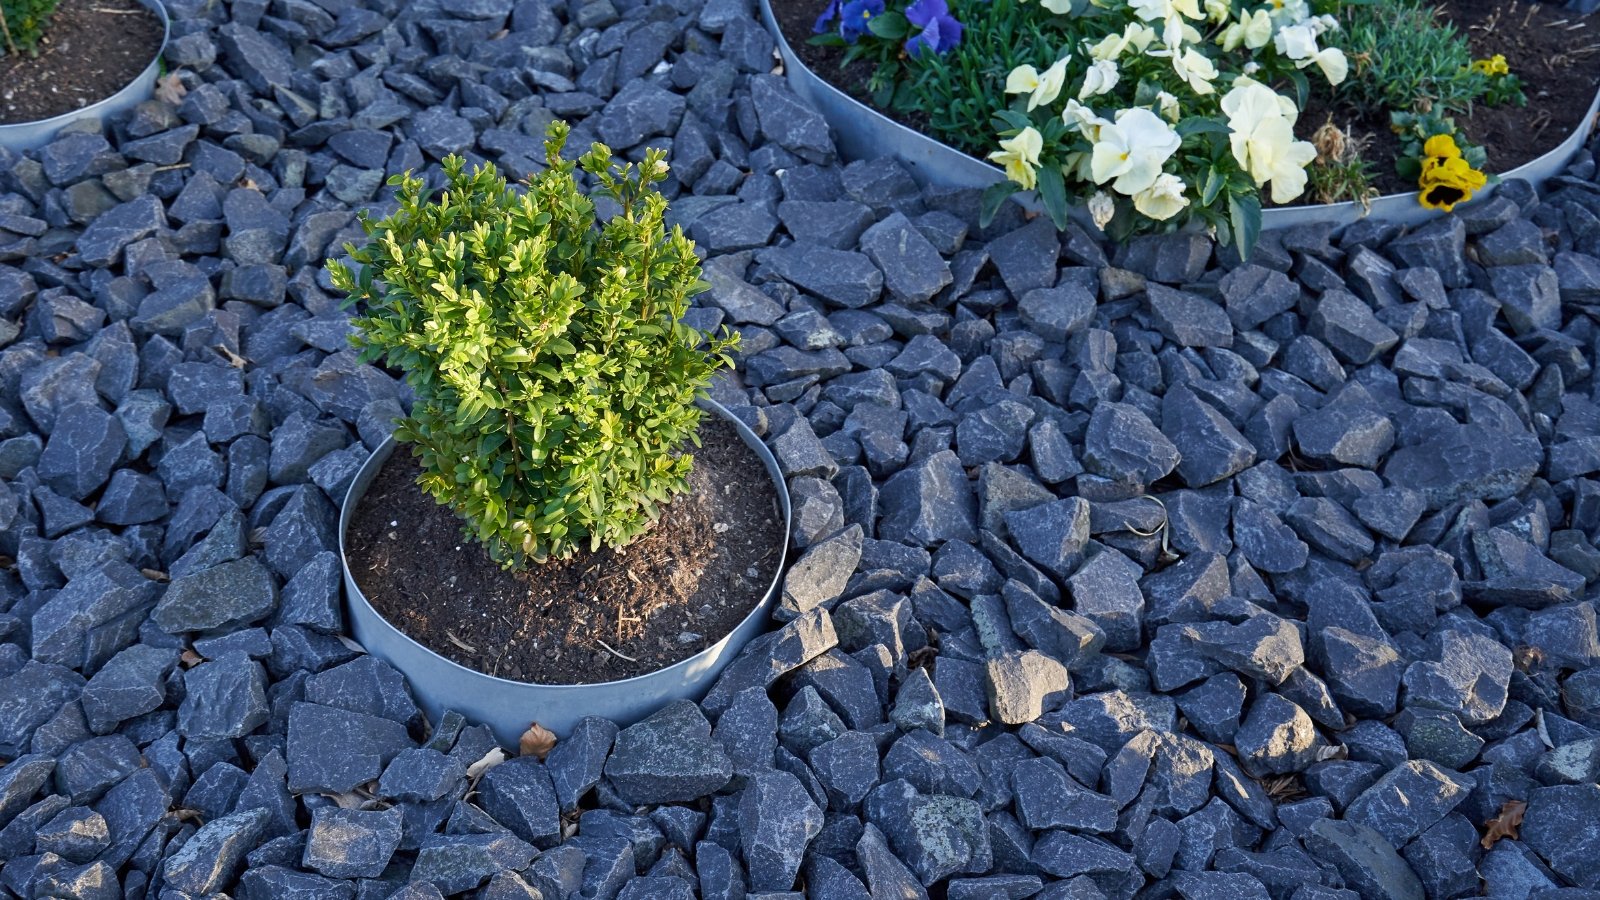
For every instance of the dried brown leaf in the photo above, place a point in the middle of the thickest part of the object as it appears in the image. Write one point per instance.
(1505, 824)
(170, 89)
(537, 741)
(189, 659)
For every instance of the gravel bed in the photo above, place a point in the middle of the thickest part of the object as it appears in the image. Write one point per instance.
(1122, 571)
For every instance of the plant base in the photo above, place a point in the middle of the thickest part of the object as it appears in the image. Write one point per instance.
(474, 638)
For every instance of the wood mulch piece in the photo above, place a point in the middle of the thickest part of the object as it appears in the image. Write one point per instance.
(599, 616)
(91, 50)
(1555, 52)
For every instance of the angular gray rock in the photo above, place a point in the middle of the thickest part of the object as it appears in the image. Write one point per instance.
(1122, 444)
(670, 757)
(352, 843)
(929, 503)
(777, 819)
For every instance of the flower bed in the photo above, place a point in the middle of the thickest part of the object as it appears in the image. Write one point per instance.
(1332, 67)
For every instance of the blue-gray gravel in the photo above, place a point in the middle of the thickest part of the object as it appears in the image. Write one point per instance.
(1121, 570)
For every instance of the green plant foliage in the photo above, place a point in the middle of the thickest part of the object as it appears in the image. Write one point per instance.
(956, 91)
(1336, 181)
(554, 379)
(22, 23)
(1407, 58)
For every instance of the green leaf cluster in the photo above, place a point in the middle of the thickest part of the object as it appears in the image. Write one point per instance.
(22, 23)
(554, 380)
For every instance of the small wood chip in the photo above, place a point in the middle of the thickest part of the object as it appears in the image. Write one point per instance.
(488, 761)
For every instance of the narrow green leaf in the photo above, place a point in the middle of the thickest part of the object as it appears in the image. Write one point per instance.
(1053, 194)
(993, 196)
(1244, 215)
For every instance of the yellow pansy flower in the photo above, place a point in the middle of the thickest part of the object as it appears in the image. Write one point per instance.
(1447, 181)
(1442, 146)
(1020, 157)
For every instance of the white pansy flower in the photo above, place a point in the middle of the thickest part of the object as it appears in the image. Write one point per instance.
(1101, 77)
(1059, 7)
(1169, 12)
(1324, 23)
(1040, 88)
(1082, 119)
(1163, 199)
(1135, 36)
(1020, 156)
(1168, 105)
(1217, 10)
(1254, 32)
(1333, 63)
(1132, 150)
(1101, 209)
(1196, 69)
(1250, 68)
(1299, 43)
(1290, 11)
(1261, 123)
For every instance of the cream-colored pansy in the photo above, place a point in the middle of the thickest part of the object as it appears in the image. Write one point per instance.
(1082, 119)
(1169, 12)
(1333, 63)
(1136, 37)
(1299, 43)
(1059, 7)
(1168, 105)
(1196, 69)
(1101, 209)
(1040, 88)
(1253, 31)
(1217, 10)
(1020, 156)
(1101, 77)
(1163, 199)
(1132, 150)
(1261, 123)
(1290, 12)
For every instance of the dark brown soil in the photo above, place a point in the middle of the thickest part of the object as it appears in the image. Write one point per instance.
(1545, 46)
(91, 50)
(599, 616)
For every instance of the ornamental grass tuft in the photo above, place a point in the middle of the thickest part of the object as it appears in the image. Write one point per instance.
(554, 379)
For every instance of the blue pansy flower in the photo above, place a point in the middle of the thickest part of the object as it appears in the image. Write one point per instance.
(940, 30)
(854, 16)
(829, 14)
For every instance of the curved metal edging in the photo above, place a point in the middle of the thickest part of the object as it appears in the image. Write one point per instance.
(507, 706)
(865, 133)
(22, 136)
